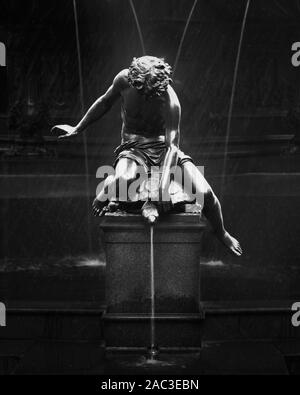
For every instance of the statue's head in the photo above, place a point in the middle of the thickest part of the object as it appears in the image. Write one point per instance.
(150, 75)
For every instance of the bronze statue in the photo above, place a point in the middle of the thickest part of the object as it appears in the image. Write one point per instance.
(150, 134)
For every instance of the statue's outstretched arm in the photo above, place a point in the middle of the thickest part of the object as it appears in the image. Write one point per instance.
(96, 111)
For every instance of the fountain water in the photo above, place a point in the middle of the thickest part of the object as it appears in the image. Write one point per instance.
(183, 35)
(236, 68)
(153, 349)
(138, 26)
(87, 183)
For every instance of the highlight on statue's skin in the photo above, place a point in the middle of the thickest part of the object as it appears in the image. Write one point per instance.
(63, 131)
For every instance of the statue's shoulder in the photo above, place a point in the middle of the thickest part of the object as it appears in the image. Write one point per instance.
(121, 80)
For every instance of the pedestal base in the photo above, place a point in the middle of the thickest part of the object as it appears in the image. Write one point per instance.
(177, 246)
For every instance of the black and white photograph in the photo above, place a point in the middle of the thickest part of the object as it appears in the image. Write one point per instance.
(149, 189)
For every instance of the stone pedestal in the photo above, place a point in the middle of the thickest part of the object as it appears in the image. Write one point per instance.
(177, 246)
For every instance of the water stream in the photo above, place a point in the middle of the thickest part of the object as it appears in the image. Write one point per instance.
(86, 163)
(235, 75)
(138, 26)
(152, 286)
(188, 21)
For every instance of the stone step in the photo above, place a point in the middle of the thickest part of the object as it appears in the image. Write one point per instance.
(171, 330)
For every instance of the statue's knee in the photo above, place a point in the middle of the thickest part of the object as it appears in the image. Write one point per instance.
(122, 184)
(125, 179)
(108, 186)
(109, 180)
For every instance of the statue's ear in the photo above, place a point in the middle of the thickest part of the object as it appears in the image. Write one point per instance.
(2, 55)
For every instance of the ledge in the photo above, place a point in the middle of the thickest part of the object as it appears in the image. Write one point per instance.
(118, 221)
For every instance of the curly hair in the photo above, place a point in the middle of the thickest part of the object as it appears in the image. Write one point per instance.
(150, 75)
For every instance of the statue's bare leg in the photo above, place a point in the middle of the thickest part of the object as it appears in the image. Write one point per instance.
(212, 207)
(117, 185)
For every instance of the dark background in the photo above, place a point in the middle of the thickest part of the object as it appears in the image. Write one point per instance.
(43, 184)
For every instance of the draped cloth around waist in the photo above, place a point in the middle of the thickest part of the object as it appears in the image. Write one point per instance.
(146, 152)
(149, 153)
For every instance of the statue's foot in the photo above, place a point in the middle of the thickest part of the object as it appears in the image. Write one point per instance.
(98, 207)
(231, 243)
(113, 206)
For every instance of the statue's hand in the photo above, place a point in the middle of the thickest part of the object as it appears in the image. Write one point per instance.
(63, 131)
